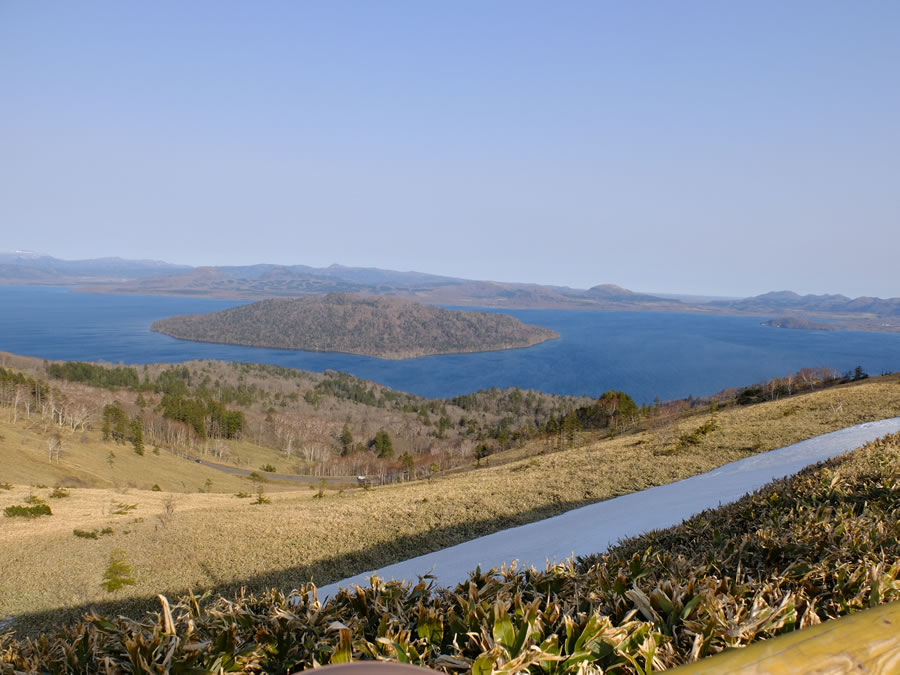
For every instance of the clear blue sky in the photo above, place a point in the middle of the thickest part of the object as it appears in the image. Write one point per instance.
(709, 147)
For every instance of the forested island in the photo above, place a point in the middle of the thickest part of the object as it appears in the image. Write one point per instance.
(383, 327)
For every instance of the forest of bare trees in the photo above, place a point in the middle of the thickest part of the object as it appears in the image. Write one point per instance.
(327, 424)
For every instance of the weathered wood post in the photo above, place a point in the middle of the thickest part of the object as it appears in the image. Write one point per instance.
(865, 642)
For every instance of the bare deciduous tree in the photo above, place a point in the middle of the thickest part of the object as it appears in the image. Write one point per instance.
(54, 447)
(168, 512)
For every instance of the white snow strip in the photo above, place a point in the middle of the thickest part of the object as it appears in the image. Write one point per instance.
(594, 528)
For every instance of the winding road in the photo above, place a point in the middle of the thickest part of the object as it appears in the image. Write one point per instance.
(594, 528)
(313, 480)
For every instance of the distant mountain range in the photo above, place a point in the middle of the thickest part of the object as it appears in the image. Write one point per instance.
(257, 282)
(787, 302)
(32, 267)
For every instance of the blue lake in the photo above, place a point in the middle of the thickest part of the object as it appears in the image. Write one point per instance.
(644, 354)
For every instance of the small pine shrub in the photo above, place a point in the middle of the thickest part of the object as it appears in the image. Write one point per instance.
(261, 498)
(27, 511)
(695, 437)
(321, 493)
(156, 488)
(268, 468)
(59, 493)
(118, 574)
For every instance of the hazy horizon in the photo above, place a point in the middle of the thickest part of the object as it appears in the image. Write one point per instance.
(693, 148)
(666, 293)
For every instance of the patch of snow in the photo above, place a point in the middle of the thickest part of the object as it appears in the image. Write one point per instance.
(594, 528)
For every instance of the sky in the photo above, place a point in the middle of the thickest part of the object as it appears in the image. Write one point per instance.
(724, 148)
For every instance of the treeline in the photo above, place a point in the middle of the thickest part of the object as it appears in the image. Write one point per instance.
(801, 382)
(612, 410)
(495, 419)
(96, 376)
(24, 396)
(119, 428)
(537, 407)
(175, 380)
(207, 417)
(336, 424)
(19, 389)
(345, 387)
(267, 404)
(204, 412)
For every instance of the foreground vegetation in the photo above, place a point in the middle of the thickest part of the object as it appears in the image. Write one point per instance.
(173, 538)
(385, 327)
(799, 552)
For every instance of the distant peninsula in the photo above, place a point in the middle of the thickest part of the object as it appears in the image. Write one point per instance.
(387, 328)
(798, 324)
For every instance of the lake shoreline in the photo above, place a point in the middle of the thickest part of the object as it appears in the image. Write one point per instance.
(648, 355)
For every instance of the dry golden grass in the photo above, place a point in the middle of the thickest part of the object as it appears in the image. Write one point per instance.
(84, 462)
(220, 540)
(249, 456)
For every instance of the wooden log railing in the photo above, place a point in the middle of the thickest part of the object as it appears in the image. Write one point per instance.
(865, 642)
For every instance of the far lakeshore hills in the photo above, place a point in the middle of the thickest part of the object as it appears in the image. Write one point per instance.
(263, 281)
(383, 327)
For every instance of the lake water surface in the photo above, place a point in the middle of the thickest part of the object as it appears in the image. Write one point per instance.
(642, 353)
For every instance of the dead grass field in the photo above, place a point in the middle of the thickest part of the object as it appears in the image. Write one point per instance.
(220, 541)
(85, 462)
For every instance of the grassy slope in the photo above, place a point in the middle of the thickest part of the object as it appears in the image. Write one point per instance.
(84, 463)
(800, 551)
(221, 541)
